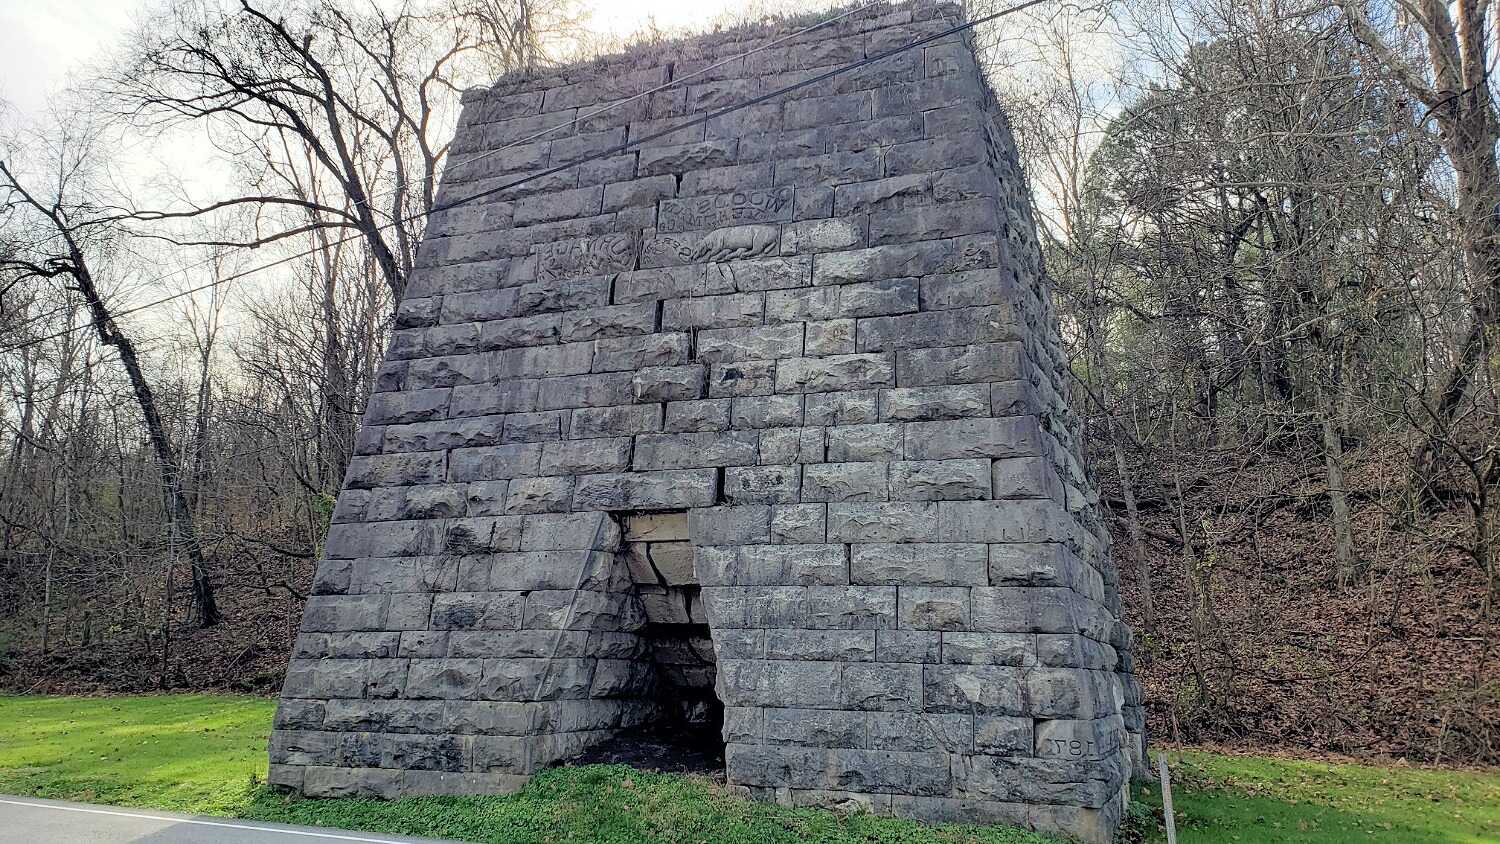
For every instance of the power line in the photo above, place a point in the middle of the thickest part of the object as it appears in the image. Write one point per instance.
(702, 118)
(480, 157)
(671, 82)
(707, 116)
(608, 107)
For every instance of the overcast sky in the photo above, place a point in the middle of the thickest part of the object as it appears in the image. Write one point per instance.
(42, 41)
(45, 42)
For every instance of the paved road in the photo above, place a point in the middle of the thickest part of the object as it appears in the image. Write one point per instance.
(27, 820)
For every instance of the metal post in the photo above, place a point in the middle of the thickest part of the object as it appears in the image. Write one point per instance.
(1166, 797)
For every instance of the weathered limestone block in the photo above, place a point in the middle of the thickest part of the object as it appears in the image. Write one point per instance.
(765, 410)
(697, 416)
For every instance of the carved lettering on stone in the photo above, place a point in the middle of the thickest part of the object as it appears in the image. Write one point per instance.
(585, 256)
(707, 212)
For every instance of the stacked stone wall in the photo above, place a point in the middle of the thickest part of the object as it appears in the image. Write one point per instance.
(819, 326)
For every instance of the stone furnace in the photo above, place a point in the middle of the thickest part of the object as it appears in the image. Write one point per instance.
(758, 427)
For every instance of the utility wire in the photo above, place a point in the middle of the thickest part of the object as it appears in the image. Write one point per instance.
(705, 117)
(670, 83)
(702, 118)
(366, 202)
(611, 106)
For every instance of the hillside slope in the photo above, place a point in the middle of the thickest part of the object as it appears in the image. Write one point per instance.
(1401, 663)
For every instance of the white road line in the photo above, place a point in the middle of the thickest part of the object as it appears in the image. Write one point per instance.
(221, 824)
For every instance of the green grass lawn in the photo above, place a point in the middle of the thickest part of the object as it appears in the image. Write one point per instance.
(206, 754)
(184, 753)
(1255, 799)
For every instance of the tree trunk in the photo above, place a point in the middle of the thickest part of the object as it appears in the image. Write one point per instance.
(47, 602)
(1137, 549)
(1338, 498)
(1482, 551)
(1197, 590)
(166, 621)
(205, 605)
(1197, 597)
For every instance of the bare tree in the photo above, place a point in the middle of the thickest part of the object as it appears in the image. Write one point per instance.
(338, 119)
(1453, 87)
(71, 229)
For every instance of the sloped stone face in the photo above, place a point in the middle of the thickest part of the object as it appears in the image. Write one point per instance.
(815, 340)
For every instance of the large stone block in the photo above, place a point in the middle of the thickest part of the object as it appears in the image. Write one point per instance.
(1014, 436)
(919, 564)
(959, 327)
(923, 404)
(656, 490)
(939, 480)
(687, 451)
(758, 343)
(918, 731)
(672, 282)
(668, 383)
(383, 470)
(839, 372)
(845, 482)
(739, 525)
(906, 260)
(760, 274)
(762, 484)
(697, 415)
(686, 157)
(978, 363)
(903, 522)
